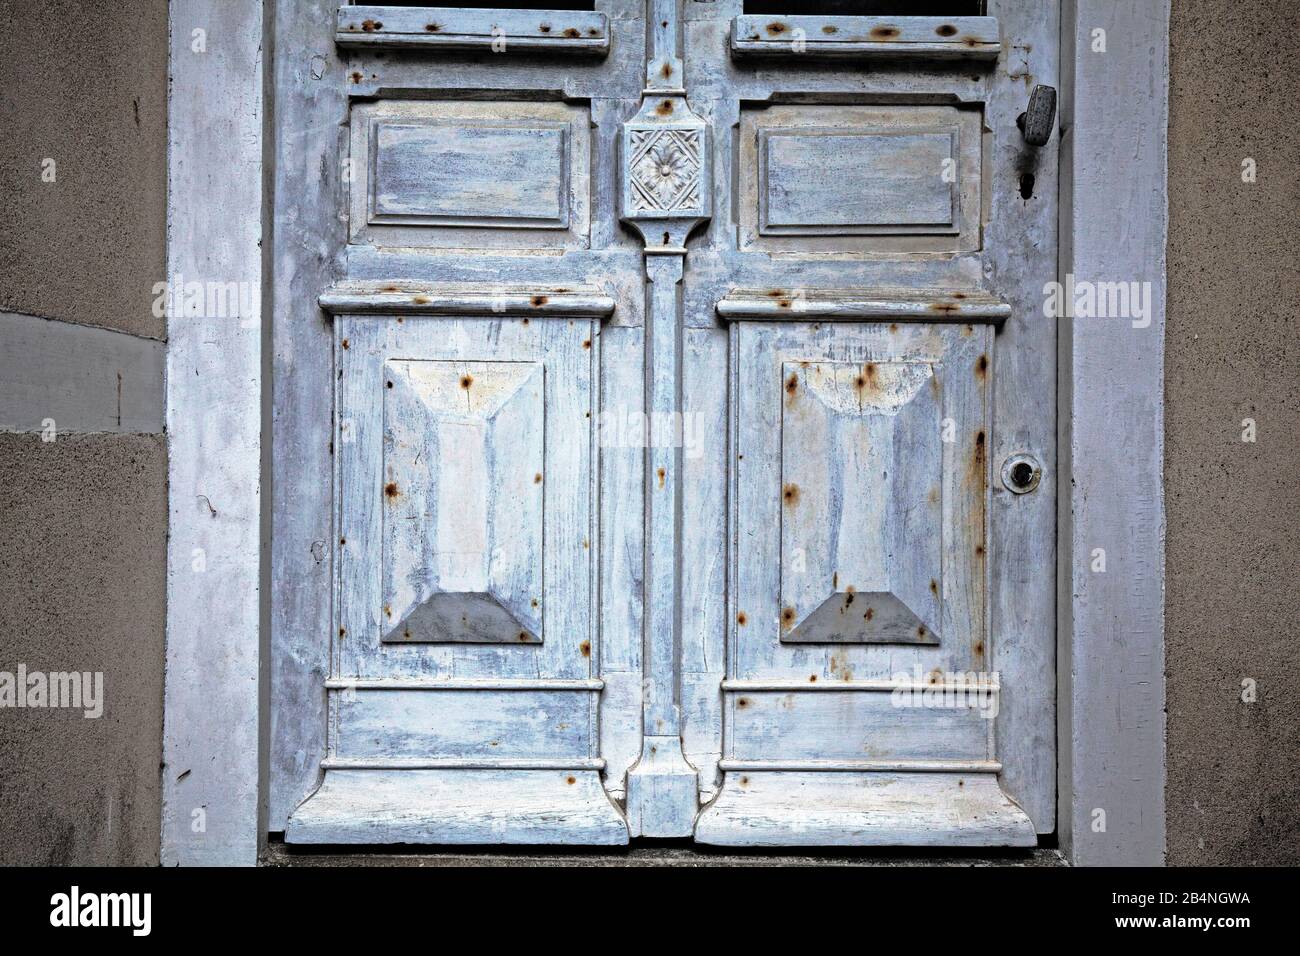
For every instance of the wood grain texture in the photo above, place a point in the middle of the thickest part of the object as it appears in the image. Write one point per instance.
(373, 496)
(881, 179)
(319, 91)
(823, 177)
(665, 193)
(371, 806)
(764, 808)
(861, 531)
(398, 297)
(1021, 236)
(463, 724)
(434, 173)
(814, 509)
(464, 462)
(309, 237)
(799, 304)
(502, 174)
(807, 725)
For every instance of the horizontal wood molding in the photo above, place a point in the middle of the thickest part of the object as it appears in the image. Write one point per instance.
(343, 683)
(463, 805)
(408, 298)
(869, 686)
(854, 766)
(849, 305)
(948, 38)
(940, 809)
(461, 763)
(454, 28)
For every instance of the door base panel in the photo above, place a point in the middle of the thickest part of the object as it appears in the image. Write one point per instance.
(766, 808)
(468, 806)
(662, 790)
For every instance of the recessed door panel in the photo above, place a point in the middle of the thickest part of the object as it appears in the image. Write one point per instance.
(827, 177)
(499, 174)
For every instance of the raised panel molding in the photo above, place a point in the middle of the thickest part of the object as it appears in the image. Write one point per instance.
(862, 506)
(434, 173)
(827, 181)
(470, 175)
(463, 472)
(836, 178)
(465, 512)
(861, 485)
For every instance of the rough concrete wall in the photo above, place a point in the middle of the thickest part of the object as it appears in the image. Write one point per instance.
(86, 86)
(1233, 552)
(82, 589)
(83, 519)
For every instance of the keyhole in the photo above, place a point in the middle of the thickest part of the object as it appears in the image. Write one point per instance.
(1021, 474)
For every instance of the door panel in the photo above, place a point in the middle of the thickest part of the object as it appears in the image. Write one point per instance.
(832, 178)
(861, 483)
(661, 475)
(842, 433)
(467, 637)
(461, 443)
(420, 179)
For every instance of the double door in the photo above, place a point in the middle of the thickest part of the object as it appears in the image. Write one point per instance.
(692, 431)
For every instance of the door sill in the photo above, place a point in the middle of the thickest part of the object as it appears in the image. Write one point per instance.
(781, 808)
(458, 807)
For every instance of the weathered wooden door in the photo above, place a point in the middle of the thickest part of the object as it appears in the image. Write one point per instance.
(665, 423)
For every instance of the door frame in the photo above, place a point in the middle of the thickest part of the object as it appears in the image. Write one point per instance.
(1113, 223)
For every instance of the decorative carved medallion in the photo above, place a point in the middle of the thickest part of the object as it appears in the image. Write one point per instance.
(665, 170)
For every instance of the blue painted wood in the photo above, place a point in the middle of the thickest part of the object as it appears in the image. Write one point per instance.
(665, 416)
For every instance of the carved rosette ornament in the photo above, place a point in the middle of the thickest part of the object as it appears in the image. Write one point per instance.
(665, 170)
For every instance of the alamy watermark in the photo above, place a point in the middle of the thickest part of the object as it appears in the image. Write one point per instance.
(74, 690)
(947, 690)
(208, 299)
(75, 909)
(1082, 299)
(622, 427)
